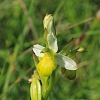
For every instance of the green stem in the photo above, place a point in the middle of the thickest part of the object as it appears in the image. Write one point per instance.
(47, 92)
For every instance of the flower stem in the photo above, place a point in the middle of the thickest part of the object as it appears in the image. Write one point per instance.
(46, 94)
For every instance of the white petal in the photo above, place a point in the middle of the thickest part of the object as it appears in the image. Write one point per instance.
(52, 42)
(37, 50)
(65, 62)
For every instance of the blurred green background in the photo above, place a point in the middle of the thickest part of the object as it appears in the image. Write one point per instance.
(21, 26)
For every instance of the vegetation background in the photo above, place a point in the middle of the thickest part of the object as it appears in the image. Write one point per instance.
(21, 26)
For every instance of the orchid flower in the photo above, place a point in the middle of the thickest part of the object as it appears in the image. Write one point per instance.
(50, 58)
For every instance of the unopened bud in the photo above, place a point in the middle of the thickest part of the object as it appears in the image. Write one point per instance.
(49, 24)
(81, 49)
(98, 15)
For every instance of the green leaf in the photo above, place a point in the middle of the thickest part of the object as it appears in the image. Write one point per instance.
(36, 60)
(68, 47)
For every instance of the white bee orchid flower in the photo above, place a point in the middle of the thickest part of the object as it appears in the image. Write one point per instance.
(51, 58)
(60, 59)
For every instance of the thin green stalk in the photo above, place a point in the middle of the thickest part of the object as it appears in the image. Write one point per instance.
(8, 75)
(52, 81)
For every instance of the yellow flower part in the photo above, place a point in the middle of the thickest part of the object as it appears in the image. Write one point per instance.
(47, 64)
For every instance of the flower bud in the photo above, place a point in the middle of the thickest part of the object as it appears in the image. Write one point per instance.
(49, 24)
(81, 49)
(98, 15)
(46, 65)
(35, 89)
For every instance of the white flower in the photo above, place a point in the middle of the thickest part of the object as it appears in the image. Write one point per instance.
(60, 59)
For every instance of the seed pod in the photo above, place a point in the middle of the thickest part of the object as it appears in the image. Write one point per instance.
(35, 89)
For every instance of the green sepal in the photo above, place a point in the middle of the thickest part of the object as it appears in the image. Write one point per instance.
(36, 60)
(68, 47)
(72, 54)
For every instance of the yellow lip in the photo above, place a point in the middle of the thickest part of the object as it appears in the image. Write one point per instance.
(46, 65)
